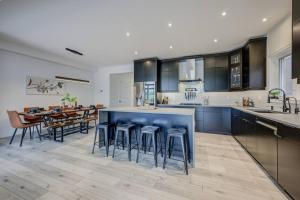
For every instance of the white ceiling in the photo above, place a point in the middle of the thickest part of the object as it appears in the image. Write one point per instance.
(97, 28)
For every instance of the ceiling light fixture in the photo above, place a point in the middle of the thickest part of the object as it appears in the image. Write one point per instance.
(74, 51)
(127, 34)
(215, 40)
(224, 13)
(171, 47)
(170, 24)
(136, 53)
(264, 19)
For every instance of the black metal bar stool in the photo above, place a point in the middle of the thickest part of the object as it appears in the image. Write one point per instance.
(182, 134)
(126, 129)
(105, 129)
(163, 125)
(139, 124)
(153, 131)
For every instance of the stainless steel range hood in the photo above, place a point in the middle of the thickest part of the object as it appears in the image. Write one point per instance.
(189, 71)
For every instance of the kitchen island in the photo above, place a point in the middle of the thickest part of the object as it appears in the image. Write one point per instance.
(170, 116)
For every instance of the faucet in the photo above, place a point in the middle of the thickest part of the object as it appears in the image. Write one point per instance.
(296, 102)
(284, 107)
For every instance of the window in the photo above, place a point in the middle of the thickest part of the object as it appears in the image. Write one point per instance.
(285, 73)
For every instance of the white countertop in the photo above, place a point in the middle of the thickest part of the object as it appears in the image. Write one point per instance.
(283, 118)
(172, 111)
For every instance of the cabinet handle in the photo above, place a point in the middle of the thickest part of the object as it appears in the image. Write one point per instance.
(274, 128)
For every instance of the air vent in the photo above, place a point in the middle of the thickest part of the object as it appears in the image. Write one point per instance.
(74, 51)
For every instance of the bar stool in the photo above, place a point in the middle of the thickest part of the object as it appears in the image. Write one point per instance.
(139, 123)
(105, 129)
(153, 131)
(163, 125)
(126, 130)
(188, 141)
(180, 133)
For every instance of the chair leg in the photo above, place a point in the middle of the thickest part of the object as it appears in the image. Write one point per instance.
(95, 139)
(30, 134)
(12, 138)
(167, 149)
(106, 140)
(37, 130)
(183, 145)
(116, 142)
(140, 143)
(128, 139)
(23, 134)
(123, 140)
(171, 146)
(160, 141)
(154, 148)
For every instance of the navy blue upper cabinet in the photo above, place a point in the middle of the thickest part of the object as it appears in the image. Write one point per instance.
(216, 73)
(146, 70)
(296, 41)
(168, 76)
(254, 64)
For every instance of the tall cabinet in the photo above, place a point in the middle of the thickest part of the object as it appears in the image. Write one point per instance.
(296, 41)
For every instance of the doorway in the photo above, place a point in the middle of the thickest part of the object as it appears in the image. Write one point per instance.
(121, 90)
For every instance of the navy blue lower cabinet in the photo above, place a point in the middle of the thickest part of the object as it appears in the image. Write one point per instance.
(217, 120)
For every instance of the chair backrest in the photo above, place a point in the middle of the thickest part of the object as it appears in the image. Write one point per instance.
(14, 119)
(53, 107)
(27, 109)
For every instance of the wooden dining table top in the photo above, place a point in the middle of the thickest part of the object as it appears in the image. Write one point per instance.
(49, 112)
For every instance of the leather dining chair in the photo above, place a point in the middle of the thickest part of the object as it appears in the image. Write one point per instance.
(16, 123)
(33, 119)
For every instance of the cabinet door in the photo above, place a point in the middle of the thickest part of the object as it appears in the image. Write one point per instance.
(289, 160)
(222, 61)
(251, 140)
(164, 81)
(209, 79)
(221, 79)
(257, 64)
(138, 72)
(266, 150)
(150, 70)
(173, 79)
(296, 40)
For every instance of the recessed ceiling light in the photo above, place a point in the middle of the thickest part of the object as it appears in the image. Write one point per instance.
(127, 34)
(171, 47)
(264, 19)
(224, 13)
(170, 24)
(136, 53)
(215, 40)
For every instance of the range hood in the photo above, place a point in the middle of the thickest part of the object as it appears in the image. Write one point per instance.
(190, 70)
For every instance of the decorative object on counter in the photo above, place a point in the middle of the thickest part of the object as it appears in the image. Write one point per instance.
(71, 100)
(190, 93)
(275, 94)
(165, 100)
(43, 86)
(296, 104)
(206, 100)
(245, 101)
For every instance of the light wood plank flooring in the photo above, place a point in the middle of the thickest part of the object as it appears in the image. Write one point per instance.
(53, 171)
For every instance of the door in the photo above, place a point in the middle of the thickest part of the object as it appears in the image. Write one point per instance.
(266, 149)
(121, 90)
(289, 160)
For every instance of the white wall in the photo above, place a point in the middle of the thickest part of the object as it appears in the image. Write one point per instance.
(102, 75)
(15, 67)
(279, 45)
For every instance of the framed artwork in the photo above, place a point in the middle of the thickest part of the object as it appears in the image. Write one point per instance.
(43, 86)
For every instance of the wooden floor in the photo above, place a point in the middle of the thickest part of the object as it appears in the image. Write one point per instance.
(54, 171)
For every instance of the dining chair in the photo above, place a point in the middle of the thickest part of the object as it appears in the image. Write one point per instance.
(33, 119)
(16, 123)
